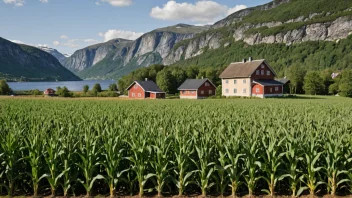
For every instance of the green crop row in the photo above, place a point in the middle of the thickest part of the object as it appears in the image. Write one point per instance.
(216, 147)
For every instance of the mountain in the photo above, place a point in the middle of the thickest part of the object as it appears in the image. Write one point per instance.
(279, 31)
(118, 57)
(61, 57)
(23, 62)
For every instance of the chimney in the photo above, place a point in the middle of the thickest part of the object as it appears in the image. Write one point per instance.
(244, 60)
(250, 59)
(146, 79)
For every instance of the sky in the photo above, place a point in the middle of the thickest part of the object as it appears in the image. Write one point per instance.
(69, 25)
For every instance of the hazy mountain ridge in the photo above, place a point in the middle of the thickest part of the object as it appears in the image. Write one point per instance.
(59, 56)
(23, 62)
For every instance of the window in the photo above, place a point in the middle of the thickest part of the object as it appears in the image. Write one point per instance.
(139, 95)
(183, 92)
(271, 89)
(276, 88)
(202, 92)
(193, 92)
(268, 73)
(235, 91)
(244, 81)
(262, 66)
(234, 81)
(227, 81)
(257, 72)
(135, 86)
(226, 90)
(262, 72)
(210, 92)
(207, 84)
(133, 94)
(257, 90)
(244, 90)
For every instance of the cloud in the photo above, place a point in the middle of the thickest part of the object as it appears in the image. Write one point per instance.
(90, 41)
(56, 43)
(64, 37)
(113, 34)
(71, 43)
(44, 1)
(17, 3)
(118, 3)
(204, 12)
(42, 45)
(235, 9)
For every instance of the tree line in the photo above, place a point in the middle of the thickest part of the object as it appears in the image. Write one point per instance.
(169, 78)
(302, 81)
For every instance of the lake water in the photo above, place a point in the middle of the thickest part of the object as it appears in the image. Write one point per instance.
(71, 85)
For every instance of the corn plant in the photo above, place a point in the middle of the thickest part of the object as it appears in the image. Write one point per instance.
(89, 154)
(293, 156)
(139, 157)
(10, 155)
(233, 166)
(220, 166)
(34, 147)
(204, 163)
(161, 164)
(271, 160)
(334, 159)
(312, 167)
(251, 163)
(113, 153)
(183, 149)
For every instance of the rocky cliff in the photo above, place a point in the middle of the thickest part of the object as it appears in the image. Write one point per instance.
(278, 22)
(275, 22)
(22, 62)
(118, 57)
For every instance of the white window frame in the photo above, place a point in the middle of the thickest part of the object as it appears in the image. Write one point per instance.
(135, 86)
(262, 72)
(271, 89)
(202, 92)
(210, 92)
(276, 88)
(268, 73)
(139, 95)
(262, 66)
(133, 94)
(244, 90)
(235, 91)
(244, 81)
(234, 82)
(257, 90)
(227, 81)
(227, 91)
(257, 72)
(207, 84)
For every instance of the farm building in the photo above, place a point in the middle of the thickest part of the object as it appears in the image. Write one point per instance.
(250, 78)
(49, 92)
(145, 89)
(196, 89)
(286, 85)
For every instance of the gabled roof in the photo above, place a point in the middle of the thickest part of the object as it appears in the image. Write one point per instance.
(194, 84)
(242, 70)
(147, 86)
(283, 80)
(268, 82)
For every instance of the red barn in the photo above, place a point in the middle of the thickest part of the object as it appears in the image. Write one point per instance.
(145, 89)
(49, 92)
(196, 89)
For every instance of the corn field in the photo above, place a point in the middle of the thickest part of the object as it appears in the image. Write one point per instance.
(173, 147)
